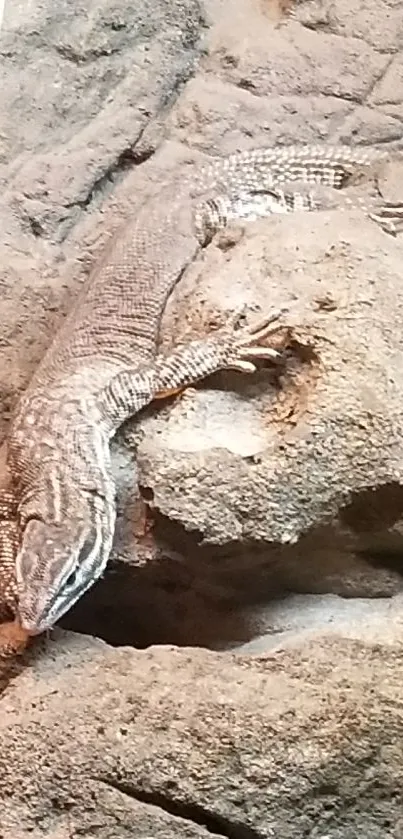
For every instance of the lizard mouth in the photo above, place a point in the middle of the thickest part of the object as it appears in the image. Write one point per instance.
(33, 633)
(31, 629)
(30, 621)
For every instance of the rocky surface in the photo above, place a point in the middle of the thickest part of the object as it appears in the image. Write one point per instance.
(302, 741)
(99, 106)
(288, 483)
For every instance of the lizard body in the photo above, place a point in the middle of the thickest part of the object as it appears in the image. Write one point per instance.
(102, 367)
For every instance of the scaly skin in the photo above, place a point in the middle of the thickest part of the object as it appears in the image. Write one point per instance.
(102, 366)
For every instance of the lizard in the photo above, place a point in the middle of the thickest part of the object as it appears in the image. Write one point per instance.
(103, 365)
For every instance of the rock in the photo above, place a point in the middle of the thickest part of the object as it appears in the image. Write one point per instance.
(188, 743)
(84, 94)
(304, 616)
(250, 489)
(309, 497)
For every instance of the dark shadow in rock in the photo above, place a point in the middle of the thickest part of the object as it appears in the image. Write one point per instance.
(181, 592)
(162, 603)
(372, 509)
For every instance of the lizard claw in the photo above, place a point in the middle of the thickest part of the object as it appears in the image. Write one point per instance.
(263, 327)
(246, 342)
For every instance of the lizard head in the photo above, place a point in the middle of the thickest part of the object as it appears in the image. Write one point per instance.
(58, 561)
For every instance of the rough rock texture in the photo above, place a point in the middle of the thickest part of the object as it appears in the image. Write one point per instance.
(304, 741)
(254, 489)
(89, 96)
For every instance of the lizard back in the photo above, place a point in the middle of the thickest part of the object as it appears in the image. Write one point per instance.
(115, 320)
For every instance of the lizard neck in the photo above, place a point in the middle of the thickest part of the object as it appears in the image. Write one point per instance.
(55, 450)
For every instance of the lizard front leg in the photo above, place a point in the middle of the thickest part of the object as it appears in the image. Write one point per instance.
(9, 540)
(13, 639)
(228, 348)
(259, 331)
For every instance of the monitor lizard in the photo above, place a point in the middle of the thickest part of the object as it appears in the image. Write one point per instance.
(58, 514)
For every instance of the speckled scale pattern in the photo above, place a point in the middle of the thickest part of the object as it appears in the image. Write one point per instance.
(9, 540)
(113, 327)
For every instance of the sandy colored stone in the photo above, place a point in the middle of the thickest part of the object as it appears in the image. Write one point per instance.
(100, 104)
(258, 488)
(172, 742)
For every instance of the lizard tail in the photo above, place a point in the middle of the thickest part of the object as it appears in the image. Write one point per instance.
(333, 166)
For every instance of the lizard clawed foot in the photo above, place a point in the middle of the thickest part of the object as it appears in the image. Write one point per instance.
(246, 341)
